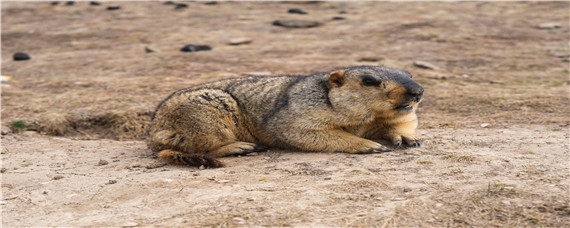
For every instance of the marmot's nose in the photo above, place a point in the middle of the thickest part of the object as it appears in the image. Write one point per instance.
(416, 91)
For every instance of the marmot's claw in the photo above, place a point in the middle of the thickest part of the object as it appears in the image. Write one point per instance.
(398, 144)
(260, 148)
(379, 151)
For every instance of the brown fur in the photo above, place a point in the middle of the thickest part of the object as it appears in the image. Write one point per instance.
(329, 112)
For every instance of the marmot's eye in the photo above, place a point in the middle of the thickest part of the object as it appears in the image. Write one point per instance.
(369, 80)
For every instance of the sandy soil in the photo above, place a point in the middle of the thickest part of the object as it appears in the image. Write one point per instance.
(494, 122)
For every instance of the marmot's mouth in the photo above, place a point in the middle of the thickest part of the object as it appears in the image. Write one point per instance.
(406, 107)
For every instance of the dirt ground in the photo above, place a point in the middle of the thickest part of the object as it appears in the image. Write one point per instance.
(495, 119)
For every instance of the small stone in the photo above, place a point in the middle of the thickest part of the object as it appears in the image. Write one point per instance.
(370, 59)
(70, 3)
(102, 162)
(223, 181)
(338, 18)
(181, 6)
(484, 125)
(210, 3)
(112, 182)
(406, 190)
(506, 202)
(5, 130)
(425, 65)
(58, 177)
(169, 3)
(54, 3)
(297, 11)
(550, 25)
(3, 170)
(239, 41)
(439, 204)
(19, 56)
(113, 7)
(250, 199)
(328, 178)
(342, 12)
(148, 50)
(93, 3)
(194, 48)
(297, 23)
(129, 224)
(201, 167)
(239, 220)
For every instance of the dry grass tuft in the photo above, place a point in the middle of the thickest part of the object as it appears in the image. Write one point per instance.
(54, 124)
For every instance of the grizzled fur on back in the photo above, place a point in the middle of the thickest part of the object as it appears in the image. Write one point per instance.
(329, 112)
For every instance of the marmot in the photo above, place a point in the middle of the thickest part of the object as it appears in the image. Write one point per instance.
(338, 111)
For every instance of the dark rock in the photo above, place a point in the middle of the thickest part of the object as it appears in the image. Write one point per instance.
(102, 162)
(94, 3)
(113, 7)
(425, 65)
(54, 3)
(342, 12)
(296, 23)
(370, 59)
(193, 48)
(297, 11)
(338, 18)
(21, 56)
(70, 3)
(181, 5)
(210, 3)
(148, 50)
(169, 3)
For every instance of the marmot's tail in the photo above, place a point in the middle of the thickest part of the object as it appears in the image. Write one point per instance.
(197, 160)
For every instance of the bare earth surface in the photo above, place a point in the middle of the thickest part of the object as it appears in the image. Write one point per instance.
(495, 120)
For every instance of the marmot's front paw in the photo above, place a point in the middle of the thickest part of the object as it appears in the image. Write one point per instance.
(411, 140)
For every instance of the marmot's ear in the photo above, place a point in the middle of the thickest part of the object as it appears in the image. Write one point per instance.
(336, 79)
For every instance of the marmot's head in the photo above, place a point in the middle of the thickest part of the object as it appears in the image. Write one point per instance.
(381, 91)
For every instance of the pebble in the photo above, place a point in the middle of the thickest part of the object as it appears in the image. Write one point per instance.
(102, 162)
(239, 41)
(181, 5)
(239, 220)
(201, 167)
(112, 182)
(70, 3)
(58, 177)
(297, 11)
(20, 56)
(297, 23)
(425, 65)
(370, 59)
(550, 25)
(113, 7)
(210, 3)
(223, 181)
(506, 202)
(3, 170)
(54, 3)
(338, 18)
(193, 48)
(250, 199)
(439, 204)
(169, 3)
(148, 50)
(485, 125)
(94, 3)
